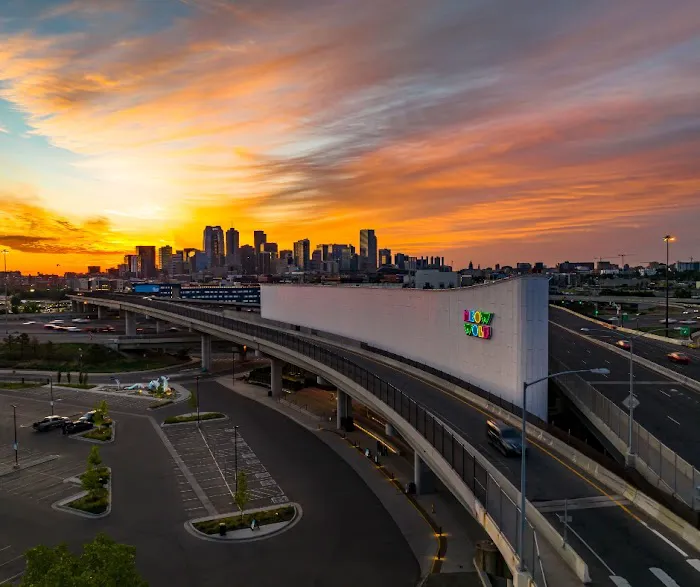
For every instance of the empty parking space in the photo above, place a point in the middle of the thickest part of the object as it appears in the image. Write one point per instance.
(11, 564)
(87, 399)
(213, 454)
(43, 482)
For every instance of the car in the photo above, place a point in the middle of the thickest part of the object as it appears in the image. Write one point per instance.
(107, 329)
(676, 357)
(624, 344)
(139, 330)
(71, 329)
(28, 323)
(505, 438)
(77, 426)
(57, 321)
(90, 417)
(173, 329)
(81, 320)
(49, 423)
(50, 326)
(670, 321)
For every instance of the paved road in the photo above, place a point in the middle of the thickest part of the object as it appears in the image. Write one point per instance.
(344, 539)
(623, 545)
(667, 409)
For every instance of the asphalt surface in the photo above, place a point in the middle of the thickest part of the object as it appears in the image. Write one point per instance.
(345, 537)
(667, 409)
(624, 533)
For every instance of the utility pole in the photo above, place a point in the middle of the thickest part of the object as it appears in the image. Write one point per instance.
(15, 445)
(668, 238)
(5, 252)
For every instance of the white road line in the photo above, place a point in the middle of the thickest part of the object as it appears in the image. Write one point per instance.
(663, 577)
(666, 394)
(666, 540)
(11, 578)
(5, 548)
(673, 420)
(619, 581)
(695, 563)
(12, 560)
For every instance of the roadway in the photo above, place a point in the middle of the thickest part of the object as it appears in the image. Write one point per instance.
(597, 535)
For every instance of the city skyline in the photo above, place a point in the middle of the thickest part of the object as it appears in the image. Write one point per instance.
(562, 132)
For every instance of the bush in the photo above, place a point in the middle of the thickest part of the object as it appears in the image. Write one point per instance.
(94, 504)
(193, 418)
(102, 434)
(283, 514)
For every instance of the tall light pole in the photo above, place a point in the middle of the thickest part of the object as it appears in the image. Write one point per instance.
(233, 368)
(235, 454)
(668, 238)
(5, 252)
(197, 392)
(15, 445)
(51, 391)
(523, 461)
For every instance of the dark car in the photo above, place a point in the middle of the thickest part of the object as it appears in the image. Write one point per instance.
(505, 438)
(677, 357)
(49, 423)
(623, 344)
(90, 417)
(79, 425)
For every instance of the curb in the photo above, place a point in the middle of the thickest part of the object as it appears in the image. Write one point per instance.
(224, 417)
(283, 526)
(60, 505)
(30, 464)
(665, 371)
(81, 435)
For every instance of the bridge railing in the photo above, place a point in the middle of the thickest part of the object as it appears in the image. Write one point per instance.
(486, 489)
(674, 474)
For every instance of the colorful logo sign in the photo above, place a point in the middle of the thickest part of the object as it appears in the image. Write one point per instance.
(477, 323)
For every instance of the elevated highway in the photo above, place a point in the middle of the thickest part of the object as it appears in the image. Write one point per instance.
(460, 455)
(656, 300)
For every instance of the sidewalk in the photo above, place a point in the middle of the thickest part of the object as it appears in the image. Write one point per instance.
(387, 481)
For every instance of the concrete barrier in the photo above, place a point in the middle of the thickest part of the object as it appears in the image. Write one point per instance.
(665, 371)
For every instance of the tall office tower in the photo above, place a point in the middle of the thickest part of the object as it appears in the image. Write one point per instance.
(400, 260)
(165, 255)
(316, 263)
(214, 245)
(384, 257)
(232, 245)
(302, 254)
(271, 248)
(147, 261)
(248, 259)
(177, 266)
(326, 252)
(132, 264)
(264, 263)
(259, 239)
(368, 249)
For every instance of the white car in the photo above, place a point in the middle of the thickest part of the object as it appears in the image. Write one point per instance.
(28, 323)
(71, 329)
(670, 321)
(81, 320)
(56, 322)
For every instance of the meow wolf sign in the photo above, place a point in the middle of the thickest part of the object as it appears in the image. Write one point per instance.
(477, 323)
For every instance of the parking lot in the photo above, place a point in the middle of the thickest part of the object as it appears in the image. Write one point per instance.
(210, 455)
(11, 564)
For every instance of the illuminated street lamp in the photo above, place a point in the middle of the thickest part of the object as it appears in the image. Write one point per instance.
(5, 252)
(523, 461)
(668, 238)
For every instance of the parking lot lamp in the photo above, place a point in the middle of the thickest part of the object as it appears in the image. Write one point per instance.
(197, 392)
(7, 316)
(668, 238)
(235, 454)
(523, 461)
(15, 445)
(51, 391)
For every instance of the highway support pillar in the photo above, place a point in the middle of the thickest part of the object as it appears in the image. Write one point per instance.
(258, 354)
(344, 411)
(130, 323)
(322, 382)
(389, 430)
(423, 477)
(101, 312)
(75, 308)
(275, 376)
(206, 352)
(159, 327)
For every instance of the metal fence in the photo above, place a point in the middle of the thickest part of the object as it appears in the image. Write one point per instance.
(504, 512)
(653, 458)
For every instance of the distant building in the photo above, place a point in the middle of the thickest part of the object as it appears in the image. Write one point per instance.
(93, 269)
(200, 261)
(326, 252)
(213, 244)
(436, 279)
(384, 257)
(316, 263)
(259, 239)
(165, 255)
(302, 254)
(582, 267)
(248, 260)
(232, 245)
(368, 249)
(688, 265)
(177, 266)
(147, 261)
(271, 248)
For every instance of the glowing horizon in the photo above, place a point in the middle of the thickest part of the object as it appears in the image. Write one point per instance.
(467, 131)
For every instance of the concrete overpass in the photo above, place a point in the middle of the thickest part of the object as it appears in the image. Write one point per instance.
(444, 425)
(655, 300)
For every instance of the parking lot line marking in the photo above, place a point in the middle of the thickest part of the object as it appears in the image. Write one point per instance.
(11, 578)
(12, 560)
(5, 548)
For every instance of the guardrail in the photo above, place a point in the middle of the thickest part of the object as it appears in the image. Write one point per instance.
(653, 458)
(504, 512)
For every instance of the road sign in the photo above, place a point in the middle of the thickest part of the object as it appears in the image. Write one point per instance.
(685, 331)
(635, 402)
(15, 446)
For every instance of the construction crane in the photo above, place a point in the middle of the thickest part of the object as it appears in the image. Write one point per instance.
(622, 258)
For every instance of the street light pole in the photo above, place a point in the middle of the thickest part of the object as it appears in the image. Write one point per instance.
(668, 238)
(523, 461)
(7, 316)
(630, 418)
(235, 454)
(51, 391)
(197, 392)
(233, 368)
(15, 445)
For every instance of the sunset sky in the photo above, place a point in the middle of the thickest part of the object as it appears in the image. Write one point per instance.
(490, 130)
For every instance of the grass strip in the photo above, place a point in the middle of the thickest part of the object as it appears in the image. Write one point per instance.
(237, 522)
(193, 418)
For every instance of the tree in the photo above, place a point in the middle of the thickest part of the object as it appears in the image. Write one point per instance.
(85, 376)
(102, 563)
(94, 458)
(15, 301)
(35, 345)
(242, 495)
(9, 341)
(80, 377)
(23, 343)
(49, 350)
(93, 480)
(68, 376)
(101, 414)
(58, 376)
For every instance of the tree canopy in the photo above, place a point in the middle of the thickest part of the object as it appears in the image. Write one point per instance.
(103, 563)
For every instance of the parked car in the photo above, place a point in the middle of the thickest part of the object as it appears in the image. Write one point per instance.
(49, 423)
(624, 344)
(504, 437)
(90, 417)
(77, 426)
(677, 357)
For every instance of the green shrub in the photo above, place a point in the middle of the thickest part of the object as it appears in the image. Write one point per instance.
(94, 504)
(193, 417)
(283, 514)
(102, 434)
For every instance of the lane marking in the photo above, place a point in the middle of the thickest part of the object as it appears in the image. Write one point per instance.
(6, 581)
(593, 552)
(663, 577)
(695, 563)
(673, 420)
(666, 394)
(666, 540)
(619, 581)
